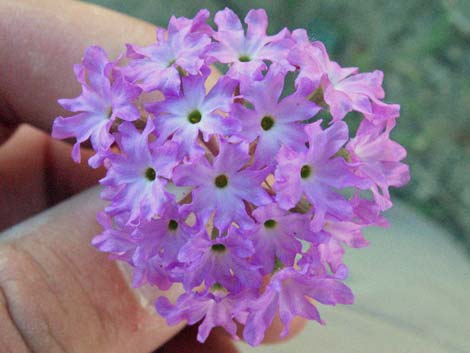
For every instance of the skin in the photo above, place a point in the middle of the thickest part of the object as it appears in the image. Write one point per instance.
(57, 293)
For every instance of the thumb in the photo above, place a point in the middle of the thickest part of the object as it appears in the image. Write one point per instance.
(58, 294)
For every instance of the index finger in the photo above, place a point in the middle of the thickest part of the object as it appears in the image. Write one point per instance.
(39, 46)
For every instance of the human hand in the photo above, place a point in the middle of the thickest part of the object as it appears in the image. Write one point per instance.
(57, 293)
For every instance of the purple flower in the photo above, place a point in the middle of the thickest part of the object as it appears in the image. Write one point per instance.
(344, 92)
(180, 48)
(224, 186)
(212, 308)
(115, 237)
(335, 234)
(197, 25)
(159, 243)
(151, 248)
(186, 115)
(136, 178)
(146, 260)
(273, 122)
(377, 158)
(274, 236)
(381, 112)
(247, 55)
(367, 212)
(137, 246)
(103, 100)
(223, 260)
(172, 233)
(287, 294)
(317, 174)
(344, 89)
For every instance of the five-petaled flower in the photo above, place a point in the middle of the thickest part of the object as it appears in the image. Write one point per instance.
(238, 190)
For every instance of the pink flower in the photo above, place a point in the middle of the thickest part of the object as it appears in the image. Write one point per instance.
(226, 186)
(247, 54)
(222, 260)
(377, 158)
(136, 177)
(344, 89)
(367, 212)
(115, 237)
(103, 100)
(317, 174)
(172, 232)
(223, 186)
(180, 48)
(287, 294)
(274, 236)
(213, 309)
(335, 234)
(135, 245)
(192, 112)
(273, 122)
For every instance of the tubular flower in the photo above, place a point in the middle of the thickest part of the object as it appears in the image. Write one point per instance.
(239, 192)
(317, 174)
(192, 112)
(273, 122)
(181, 47)
(344, 89)
(136, 177)
(106, 97)
(224, 187)
(247, 54)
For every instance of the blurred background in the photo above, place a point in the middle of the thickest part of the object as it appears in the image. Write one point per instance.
(423, 47)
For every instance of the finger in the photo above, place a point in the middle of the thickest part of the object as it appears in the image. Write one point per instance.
(5, 130)
(59, 294)
(22, 186)
(37, 172)
(40, 44)
(64, 177)
(186, 342)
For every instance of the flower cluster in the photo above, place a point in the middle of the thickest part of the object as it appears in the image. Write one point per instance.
(244, 189)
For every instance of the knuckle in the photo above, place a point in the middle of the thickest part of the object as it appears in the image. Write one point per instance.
(12, 260)
(11, 340)
(11, 336)
(21, 292)
(46, 304)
